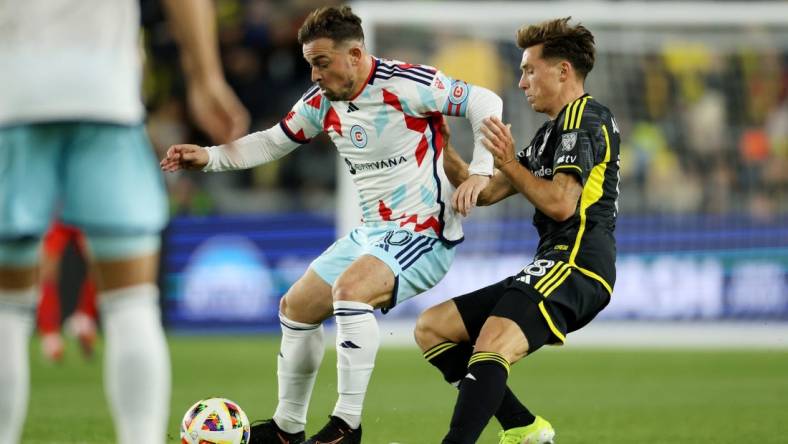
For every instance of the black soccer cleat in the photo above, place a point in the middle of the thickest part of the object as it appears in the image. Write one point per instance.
(267, 432)
(336, 432)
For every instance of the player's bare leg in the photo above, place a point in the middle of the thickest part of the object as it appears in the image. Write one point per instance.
(438, 324)
(365, 285)
(48, 312)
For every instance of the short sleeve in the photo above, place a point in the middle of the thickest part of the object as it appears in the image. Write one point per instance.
(574, 154)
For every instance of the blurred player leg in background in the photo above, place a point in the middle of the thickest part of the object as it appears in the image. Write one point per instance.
(71, 133)
(82, 323)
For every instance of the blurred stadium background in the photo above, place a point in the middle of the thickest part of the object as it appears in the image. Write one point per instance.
(699, 89)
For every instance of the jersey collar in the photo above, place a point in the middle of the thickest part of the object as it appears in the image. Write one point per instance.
(369, 80)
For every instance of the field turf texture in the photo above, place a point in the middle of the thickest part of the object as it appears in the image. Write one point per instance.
(590, 395)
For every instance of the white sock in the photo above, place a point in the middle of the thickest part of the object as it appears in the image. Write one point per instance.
(300, 355)
(136, 363)
(358, 340)
(16, 325)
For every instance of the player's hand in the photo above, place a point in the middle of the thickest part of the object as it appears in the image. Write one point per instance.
(499, 141)
(184, 157)
(217, 111)
(466, 195)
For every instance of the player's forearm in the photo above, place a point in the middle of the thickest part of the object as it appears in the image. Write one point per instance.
(249, 151)
(194, 25)
(456, 168)
(482, 103)
(547, 196)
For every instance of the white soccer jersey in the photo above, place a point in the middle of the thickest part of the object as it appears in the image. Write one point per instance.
(388, 136)
(70, 60)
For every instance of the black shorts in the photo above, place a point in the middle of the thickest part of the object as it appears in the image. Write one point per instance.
(547, 299)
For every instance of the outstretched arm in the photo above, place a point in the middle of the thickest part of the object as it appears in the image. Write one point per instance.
(213, 105)
(456, 169)
(247, 152)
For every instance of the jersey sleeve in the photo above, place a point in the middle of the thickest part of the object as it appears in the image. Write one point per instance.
(574, 153)
(446, 95)
(304, 121)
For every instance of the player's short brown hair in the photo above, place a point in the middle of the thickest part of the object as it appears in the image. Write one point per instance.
(337, 23)
(574, 43)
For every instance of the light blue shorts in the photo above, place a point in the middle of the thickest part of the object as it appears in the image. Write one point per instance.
(418, 262)
(103, 178)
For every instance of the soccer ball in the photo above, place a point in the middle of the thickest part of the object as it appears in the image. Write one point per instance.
(215, 421)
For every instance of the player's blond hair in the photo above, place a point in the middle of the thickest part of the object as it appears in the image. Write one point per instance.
(574, 43)
(337, 23)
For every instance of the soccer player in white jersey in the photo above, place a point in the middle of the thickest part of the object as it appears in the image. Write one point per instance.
(72, 137)
(384, 118)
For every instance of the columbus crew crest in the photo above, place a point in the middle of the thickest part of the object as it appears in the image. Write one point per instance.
(568, 141)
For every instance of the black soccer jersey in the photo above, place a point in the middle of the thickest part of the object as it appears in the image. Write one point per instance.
(583, 140)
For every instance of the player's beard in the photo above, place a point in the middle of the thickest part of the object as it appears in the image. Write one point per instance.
(345, 92)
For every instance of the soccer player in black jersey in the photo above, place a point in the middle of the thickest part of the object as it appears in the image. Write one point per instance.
(569, 172)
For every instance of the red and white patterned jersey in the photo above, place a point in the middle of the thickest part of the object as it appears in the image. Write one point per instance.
(388, 135)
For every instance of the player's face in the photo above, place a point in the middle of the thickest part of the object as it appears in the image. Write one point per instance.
(333, 67)
(541, 80)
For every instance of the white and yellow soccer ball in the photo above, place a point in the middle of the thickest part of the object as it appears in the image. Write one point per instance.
(215, 421)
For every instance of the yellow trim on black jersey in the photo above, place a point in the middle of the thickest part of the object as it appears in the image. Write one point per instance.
(550, 324)
(568, 166)
(580, 113)
(573, 115)
(592, 192)
(543, 281)
(438, 349)
(558, 282)
(596, 277)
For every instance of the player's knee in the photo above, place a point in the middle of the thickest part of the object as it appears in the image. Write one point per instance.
(426, 331)
(438, 324)
(308, 308)
(502, 336)
(345, 291)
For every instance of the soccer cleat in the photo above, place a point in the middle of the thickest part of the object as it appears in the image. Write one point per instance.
(336, 432)
(267, 432)
(539, 432)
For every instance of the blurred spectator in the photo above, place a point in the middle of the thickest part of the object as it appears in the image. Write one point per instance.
(704, 126)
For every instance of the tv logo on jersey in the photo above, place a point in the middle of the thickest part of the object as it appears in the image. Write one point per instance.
(358, 136)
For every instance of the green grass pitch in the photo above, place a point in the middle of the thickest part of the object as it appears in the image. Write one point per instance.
(590, 395)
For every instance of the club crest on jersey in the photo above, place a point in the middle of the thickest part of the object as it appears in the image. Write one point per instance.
(459, 92)
(358, 136)
(568, 141)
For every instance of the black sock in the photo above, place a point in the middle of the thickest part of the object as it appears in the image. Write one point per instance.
(481, 393)
(452, 361)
